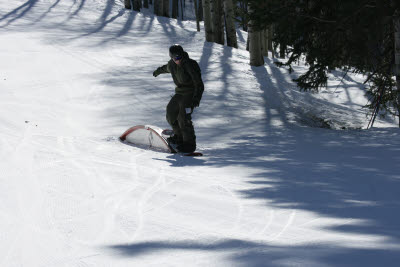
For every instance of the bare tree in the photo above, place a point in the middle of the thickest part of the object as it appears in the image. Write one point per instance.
(207, 20)
(230, 26)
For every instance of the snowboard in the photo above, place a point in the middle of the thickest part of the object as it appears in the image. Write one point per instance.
(168, 133)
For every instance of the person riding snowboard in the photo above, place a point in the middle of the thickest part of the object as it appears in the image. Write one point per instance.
(189, 89)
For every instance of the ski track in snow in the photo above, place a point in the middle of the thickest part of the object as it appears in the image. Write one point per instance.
(75, 75)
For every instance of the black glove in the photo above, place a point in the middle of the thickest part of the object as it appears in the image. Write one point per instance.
(155, 73)
(195, 102)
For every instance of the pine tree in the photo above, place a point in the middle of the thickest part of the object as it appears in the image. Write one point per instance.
(355, 35)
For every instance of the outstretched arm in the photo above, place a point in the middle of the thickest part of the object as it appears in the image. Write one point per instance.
(161, 70)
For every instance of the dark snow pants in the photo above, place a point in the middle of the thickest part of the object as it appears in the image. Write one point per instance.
(180, 121)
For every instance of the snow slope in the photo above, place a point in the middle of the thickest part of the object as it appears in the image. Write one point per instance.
(270, 190)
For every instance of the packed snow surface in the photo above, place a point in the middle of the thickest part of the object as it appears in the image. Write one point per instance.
(272, 189)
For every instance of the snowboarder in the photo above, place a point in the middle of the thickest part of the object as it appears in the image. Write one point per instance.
(189, 89)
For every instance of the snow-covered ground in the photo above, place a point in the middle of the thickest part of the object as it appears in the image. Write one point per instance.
(269, 191)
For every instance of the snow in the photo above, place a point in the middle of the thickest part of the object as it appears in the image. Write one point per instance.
(270, 190)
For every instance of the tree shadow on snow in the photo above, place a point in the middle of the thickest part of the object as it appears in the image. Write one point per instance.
(17, 13)
(348, 175)
(250, 254)
(351, 175)
(341, 174)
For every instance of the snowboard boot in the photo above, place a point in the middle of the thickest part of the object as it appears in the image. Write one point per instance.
(186, 147)
(175, 139)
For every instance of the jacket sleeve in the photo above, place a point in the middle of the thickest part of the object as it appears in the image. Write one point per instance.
(194, 71)
(163, 69)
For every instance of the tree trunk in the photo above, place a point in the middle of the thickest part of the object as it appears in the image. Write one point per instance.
(282, 50)
(128, 4)
(218, 22)
(201, 17)
(230, 26)
(157, 7)
(255, 49)
(160, 7)
(264, 41)
(175, 9)
(133, 4)
(165, 11)
(243, 7)
(137, 4)
(396, 22)
(207, 20)
(270, 44)
(182, 9)
(256, 57)
(196, 10)
(146, 3)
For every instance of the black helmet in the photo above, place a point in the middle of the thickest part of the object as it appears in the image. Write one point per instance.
(175, 51)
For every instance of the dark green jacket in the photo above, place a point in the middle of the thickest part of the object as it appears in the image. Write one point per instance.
(187, 76)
